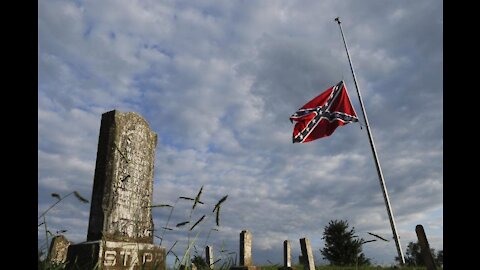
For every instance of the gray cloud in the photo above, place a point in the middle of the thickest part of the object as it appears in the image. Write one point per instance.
(218, 82)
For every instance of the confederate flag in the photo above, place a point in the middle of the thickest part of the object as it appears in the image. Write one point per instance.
(323, 114)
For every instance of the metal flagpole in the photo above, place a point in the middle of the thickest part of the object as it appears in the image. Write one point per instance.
(377, 162)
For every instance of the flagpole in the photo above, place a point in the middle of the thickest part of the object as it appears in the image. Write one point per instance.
(377, 162)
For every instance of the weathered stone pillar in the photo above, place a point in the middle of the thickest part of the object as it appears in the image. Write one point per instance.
(209, 256)
(123, 181)
(425, 248)
(245, 262)
(287, 259)
(58, 250)
(120, 229)
(245, 248)
(307, 254)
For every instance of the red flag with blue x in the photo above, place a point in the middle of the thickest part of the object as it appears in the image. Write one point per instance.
(323, 114)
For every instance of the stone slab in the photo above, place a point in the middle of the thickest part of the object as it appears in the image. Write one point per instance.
(123, 180)
(111, 255)
(58, 249)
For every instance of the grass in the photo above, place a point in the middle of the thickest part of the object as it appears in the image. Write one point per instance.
(183, 261)
(326, 267)
(44, 249)
(225, 259)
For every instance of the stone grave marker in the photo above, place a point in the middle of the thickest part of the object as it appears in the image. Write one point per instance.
(58, 249)
(307, 254)
(425, 248)
(287, 257)
(120, 229)
(245, 261)
(209, 256)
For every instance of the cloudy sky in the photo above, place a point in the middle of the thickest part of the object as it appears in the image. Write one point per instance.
(218, 81)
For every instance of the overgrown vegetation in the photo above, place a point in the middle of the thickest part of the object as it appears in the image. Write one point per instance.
(43, 261)
(193, 228)
(343, 249)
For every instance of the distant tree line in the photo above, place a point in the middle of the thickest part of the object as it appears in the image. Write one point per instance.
(344, 248)
(413, 256)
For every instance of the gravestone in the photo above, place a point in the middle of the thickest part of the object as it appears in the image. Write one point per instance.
(425, 248)
(58, 250)
(307, 254)
(246, 262)
(120, 229)
(245, 248)
(209, 256)
(287, 257)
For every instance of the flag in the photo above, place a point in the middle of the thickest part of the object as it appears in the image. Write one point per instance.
(323, 114)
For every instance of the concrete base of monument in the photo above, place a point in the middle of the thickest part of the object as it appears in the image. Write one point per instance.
(243, 267)
(111, 255)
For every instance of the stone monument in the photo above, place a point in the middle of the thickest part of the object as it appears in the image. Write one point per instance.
(120, 229)
(209, 256)
(425, 248)
(246, 261)
(58, 250)
(307, 254)
(287, 256)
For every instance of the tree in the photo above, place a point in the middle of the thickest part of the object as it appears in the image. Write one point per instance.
(439, 258)
(342, 246)
(413, 256)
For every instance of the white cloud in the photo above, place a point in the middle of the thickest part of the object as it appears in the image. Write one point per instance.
(217, 83)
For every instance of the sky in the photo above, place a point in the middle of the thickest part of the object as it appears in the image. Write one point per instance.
(217, 81)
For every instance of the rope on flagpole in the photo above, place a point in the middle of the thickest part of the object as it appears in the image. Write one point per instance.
(375, 157)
